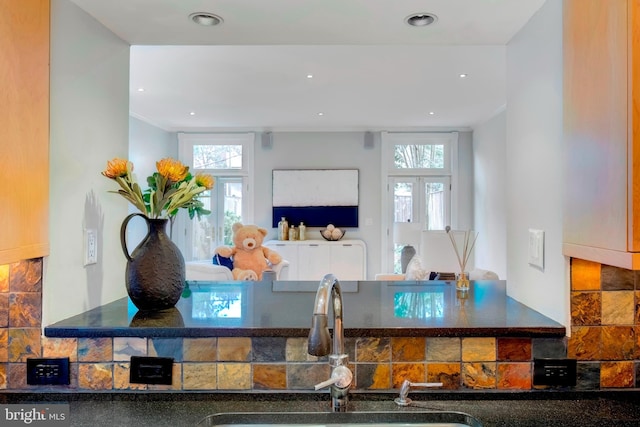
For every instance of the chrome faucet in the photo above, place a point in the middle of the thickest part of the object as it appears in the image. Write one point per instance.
(319, 342)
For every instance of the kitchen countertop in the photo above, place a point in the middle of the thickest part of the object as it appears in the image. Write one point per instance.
(513, 409)
(284, 309)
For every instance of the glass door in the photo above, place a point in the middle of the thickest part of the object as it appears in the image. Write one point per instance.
(210, 231)
(417, 203)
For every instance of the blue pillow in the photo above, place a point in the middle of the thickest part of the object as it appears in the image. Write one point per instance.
(225, 262)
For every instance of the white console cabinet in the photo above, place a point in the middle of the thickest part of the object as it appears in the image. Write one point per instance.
(312, 259)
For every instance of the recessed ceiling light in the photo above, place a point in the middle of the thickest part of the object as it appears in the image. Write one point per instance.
(420, 19)
(309, 76)
(192, 113)
(463, 75)
(140, 89)
(206, 19)
(321, 113)
(431, 113)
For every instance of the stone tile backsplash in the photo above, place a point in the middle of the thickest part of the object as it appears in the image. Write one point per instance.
(605, 325)
(605, 331)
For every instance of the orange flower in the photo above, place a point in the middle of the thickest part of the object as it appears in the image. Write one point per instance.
(204, 180)
(117, 168)
(172, 169)
(171, 188)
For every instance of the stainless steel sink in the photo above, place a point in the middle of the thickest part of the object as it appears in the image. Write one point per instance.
(344, 419)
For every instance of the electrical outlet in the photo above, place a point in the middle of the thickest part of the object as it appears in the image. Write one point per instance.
(151, 370)
(554, 372)
(48, 371)
(90, 246)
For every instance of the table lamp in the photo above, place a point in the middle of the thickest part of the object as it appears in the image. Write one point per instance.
(407, 234)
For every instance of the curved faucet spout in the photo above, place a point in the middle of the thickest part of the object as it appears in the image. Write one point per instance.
(320, 341)
(319, 337)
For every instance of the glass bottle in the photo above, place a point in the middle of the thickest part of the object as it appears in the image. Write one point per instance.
(283, 229)
(302, 229)
(292, 233)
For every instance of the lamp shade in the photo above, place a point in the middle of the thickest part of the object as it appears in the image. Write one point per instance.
(406, 233)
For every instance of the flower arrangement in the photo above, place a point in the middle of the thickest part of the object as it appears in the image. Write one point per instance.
(171, 188)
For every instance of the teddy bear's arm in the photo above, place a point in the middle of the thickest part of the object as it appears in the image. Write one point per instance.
(225, 251)
(273, 256)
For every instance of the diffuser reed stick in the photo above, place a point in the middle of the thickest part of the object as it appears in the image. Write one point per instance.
(469, 241)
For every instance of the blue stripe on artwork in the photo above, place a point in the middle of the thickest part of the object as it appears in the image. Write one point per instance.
(317, 216)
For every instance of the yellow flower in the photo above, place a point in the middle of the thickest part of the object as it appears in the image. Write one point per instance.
(117, 168)
(204, 180)
(172, 169)
(171, 188)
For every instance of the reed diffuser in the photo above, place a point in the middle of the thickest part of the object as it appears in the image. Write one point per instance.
(468, 241)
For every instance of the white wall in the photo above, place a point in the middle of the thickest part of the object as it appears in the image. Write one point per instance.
(465, 181)
(147, 145)
(489, 194)
(308, 150)
(89, 125)
(534, 162)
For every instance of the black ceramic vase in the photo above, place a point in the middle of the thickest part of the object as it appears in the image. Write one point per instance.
(169, 318)
(155, 274)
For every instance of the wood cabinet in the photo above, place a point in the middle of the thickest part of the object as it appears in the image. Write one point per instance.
(312, 259)
(602, 131)
(24, 129)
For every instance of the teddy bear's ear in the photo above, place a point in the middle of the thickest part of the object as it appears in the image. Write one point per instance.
(262, 231)
(236, 226)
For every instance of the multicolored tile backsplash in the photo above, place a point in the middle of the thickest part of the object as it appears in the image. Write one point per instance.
(605, 312)
(605, 325)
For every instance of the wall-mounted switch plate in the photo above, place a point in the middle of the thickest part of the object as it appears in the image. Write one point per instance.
(536, 248)
(90, 246)
(151, 370)
(48, 371)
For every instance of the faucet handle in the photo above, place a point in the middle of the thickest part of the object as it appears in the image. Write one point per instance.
(340, 377)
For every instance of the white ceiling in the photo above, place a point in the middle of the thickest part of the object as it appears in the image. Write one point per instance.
(371, 71)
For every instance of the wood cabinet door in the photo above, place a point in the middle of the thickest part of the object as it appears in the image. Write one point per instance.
(24, 129)
(595, 84)
(634, 117)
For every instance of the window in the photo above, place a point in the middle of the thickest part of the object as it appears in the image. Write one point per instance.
(419, 177)
(419, 156)
(217, 157)
(229, 158)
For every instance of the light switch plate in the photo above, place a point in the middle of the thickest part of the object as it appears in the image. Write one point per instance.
(536, 248)
(90, 246)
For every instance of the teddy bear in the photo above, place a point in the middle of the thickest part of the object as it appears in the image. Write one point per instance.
(250, 258)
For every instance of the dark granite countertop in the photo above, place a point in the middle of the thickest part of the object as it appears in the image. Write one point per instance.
(492, 409)
(371, 308)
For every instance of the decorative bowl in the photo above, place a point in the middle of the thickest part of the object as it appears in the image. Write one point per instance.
(332, 239)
